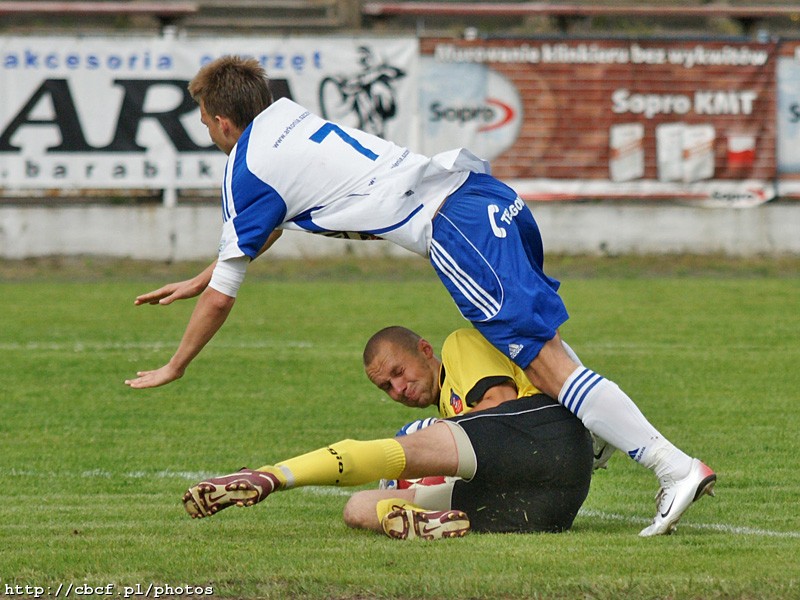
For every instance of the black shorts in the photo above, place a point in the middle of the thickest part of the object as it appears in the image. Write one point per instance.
(534, 465)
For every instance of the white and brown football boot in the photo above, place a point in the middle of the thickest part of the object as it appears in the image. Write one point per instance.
(243, 488)
(404, 523)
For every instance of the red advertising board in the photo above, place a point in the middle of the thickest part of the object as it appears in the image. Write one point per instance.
(628, 118)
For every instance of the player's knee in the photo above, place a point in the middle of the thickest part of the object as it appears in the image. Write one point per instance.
(551, 368)
(359, 514)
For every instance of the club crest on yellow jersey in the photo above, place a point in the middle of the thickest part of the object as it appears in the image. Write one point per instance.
(456, 403)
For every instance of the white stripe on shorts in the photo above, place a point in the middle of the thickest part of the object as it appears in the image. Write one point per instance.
(480, 298)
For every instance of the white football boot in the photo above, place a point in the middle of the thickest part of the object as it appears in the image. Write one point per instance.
(602, 451)
(675, 497)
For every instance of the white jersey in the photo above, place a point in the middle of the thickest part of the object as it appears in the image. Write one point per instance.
(293, 170)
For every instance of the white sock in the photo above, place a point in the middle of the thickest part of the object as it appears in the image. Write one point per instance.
(608, 412)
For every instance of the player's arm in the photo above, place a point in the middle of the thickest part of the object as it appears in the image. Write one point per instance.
(273, 237)
(209, 314)
(495, 395)
(179, 290)
(192, 287)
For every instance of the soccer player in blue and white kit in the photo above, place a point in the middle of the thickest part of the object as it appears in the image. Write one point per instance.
(290, 169)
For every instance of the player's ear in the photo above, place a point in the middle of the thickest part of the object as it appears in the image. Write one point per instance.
(229, 130)
(425, 348)
(224, 124)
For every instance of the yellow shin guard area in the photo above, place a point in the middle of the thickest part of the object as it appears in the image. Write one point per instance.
(349, 462)
(278, 472)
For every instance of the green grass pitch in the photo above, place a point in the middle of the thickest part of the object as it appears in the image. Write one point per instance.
(92, 472)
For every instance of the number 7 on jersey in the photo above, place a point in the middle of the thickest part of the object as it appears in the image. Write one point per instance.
(320, 134)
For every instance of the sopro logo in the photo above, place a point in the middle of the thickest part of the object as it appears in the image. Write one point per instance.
(493, 114)
(468, 105)
(506, 113)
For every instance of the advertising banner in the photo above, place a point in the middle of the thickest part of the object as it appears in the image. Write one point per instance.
(788, 116)
(115, 113)
(611, 118)
(716, 123)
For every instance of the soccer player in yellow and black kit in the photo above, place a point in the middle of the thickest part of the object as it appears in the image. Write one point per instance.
(532, 458)
(520, 461)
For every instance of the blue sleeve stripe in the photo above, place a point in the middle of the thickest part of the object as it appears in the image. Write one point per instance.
(226, 212)
(259, 207)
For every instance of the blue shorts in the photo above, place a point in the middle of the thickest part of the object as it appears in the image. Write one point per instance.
(487, 250)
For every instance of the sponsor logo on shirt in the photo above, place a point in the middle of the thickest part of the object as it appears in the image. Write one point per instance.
(456, 403)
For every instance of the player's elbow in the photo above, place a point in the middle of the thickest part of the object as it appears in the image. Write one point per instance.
(216, 300)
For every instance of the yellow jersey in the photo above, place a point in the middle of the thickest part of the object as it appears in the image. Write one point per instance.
(470, 366)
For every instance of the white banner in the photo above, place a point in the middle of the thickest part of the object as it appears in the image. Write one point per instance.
(115, 113)
(788, 125)
(788, 110)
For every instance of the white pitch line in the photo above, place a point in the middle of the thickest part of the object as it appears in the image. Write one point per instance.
(84, 346)
(721, 527)
(153, 345)
(343, 492)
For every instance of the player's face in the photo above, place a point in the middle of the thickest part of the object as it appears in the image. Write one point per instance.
(215, 129)
(410, 378)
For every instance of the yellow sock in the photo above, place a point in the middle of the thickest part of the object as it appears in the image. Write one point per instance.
(349, 462)
(384, 507)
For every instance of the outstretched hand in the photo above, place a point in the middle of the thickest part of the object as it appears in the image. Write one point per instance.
(170, 292)
(150, 379)
(209, 314)
(179, 290)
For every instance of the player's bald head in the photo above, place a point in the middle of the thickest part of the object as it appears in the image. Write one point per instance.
(396, 336)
